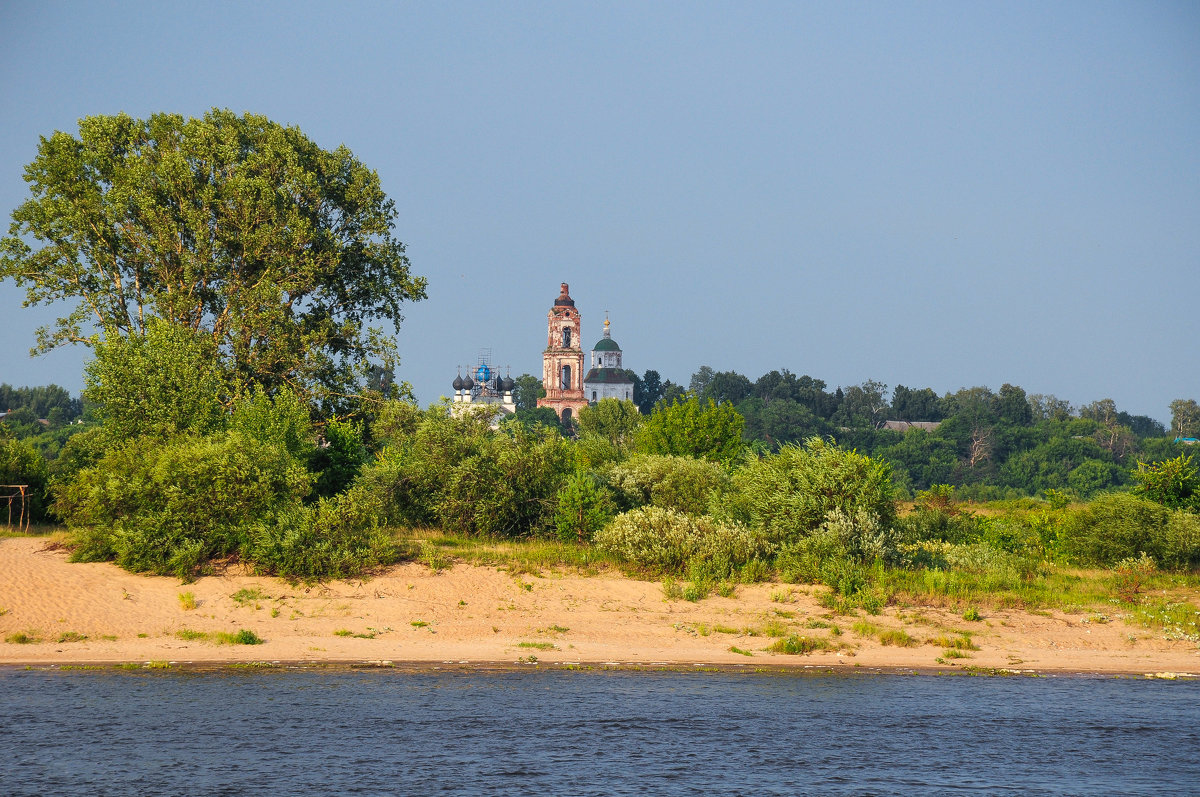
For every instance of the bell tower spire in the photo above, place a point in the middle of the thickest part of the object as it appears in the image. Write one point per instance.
(562, 361)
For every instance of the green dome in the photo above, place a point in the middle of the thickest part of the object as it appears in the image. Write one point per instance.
(606, 344)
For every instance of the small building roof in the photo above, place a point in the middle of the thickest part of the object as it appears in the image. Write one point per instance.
(607, 376)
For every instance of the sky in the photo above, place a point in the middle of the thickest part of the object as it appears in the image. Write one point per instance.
(930, 194)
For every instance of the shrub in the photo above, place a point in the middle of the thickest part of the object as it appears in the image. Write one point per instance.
(790, 494)
(1174, 483)
(841, 542)
(163, 383)
(335, 538)
(799, 645)
(583, 509)
(170, 507)
(939, 524)
(281, 420)
(682, 484)
(1180, 548)
(1129, 576)
(454, 472)
(1118, 526)
(339, 460)
(657, 539)
(663, 540)
(509, 488)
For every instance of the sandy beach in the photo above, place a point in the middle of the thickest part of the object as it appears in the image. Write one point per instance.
(484, 616)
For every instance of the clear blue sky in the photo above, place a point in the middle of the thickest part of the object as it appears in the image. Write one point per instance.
(931, 194)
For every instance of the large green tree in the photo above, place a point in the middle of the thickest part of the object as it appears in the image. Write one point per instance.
(235, 226)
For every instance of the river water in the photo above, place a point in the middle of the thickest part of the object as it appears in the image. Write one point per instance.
(317, 732)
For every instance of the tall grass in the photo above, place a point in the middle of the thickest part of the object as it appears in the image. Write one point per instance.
(532, 555)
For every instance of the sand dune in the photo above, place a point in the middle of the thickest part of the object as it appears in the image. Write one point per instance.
(484, 616)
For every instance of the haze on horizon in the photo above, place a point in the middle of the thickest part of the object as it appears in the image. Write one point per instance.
(942, 195)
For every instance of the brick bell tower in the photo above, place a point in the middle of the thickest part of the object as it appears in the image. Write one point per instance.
(562, 362)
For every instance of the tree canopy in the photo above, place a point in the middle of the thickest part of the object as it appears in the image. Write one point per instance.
(233, 226)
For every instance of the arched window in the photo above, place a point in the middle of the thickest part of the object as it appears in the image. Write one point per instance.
(566, 337)
(567, 415)
(593, 395)
(566, 377)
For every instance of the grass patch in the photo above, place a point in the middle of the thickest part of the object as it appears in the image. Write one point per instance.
(954, 653)
(865, 628)
(530, 556)
(189, 635)
(242, 637)
(433, 557)
(725, 629)
(187, 601)
(799, 645)
(538, 645)
(22, 638)
(559, 629)
(1174, 619)
(245, 596)
(33, 531)
(72, 636)
(972, 615)
(898, 638)
(782, 595)
(157, 664)
(696, 591)
(346, 632)
(739, 651)
(961, 642)
(775, 628)
(726, 589)
(418, 623)
(671, 590)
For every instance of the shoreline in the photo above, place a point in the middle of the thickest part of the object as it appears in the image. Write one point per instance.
(484, 619)
(499, 667)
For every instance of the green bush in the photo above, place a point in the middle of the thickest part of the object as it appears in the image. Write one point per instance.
(170, 507)
(1174, 483)
(583, 508)
(410, 475)
(657, 539)
(509, 488)
(689, 428)
(1180, 549)
(281, 419)
(1119, 526)
(666, 541)
(338, 462)
(938, 524)
(163, 383)
(335, 538)
(791, 493)
(681, 484)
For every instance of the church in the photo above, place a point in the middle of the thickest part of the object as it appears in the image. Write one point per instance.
(568, 389)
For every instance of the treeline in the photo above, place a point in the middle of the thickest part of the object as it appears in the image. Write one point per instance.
(170, 481)
(987, 444)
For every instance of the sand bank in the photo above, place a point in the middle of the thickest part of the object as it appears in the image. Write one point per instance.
(483, 616)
